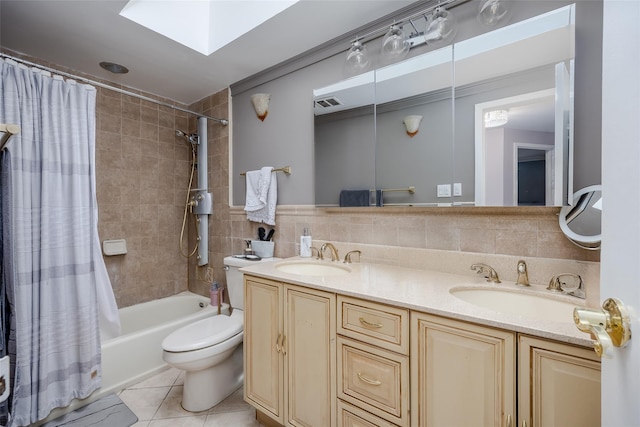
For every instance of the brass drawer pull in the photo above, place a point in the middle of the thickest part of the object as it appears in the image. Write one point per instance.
(278, 346)
(369, 324)
(368, 380)
(509, 420)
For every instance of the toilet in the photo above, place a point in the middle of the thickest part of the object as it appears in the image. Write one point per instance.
(210, 350)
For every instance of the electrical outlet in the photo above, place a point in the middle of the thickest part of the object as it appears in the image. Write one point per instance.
(457, 189)
(444, 190)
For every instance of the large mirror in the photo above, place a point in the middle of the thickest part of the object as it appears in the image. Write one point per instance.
(458, 156)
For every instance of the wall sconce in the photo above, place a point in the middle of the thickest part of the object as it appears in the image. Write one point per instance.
(496, 118)
(412, 124)
(260, 103)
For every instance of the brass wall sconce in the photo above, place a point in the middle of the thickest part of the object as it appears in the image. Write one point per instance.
(412, 124)
(260, 103)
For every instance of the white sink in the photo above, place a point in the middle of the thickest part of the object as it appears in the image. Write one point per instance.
(313, 268)
(522, 304)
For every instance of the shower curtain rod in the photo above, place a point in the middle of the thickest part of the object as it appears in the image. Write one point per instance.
(223, 122)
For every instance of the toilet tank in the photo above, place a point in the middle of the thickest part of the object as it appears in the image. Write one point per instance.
(235, 280)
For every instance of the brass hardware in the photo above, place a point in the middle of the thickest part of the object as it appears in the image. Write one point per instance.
(3, 385)
(278, 346)
(347, 257)
(285, 169)
(556, 284)
(487, 271)
(523, 275)
(363, 378)
(524, 423)
(334, 251)
(609, 326)
(284, 351)
(509, 420)
(370, 324)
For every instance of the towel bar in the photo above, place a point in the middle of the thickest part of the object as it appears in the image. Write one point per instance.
(285, 169)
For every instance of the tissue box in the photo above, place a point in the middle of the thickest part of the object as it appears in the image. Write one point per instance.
(263, 249)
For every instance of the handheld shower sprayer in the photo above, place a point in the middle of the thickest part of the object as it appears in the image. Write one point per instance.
(190, 138)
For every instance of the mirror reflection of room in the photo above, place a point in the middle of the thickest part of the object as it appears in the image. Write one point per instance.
(453, 87)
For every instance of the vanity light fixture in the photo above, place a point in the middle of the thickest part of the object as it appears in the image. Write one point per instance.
(496, 118)
(442, 27)
(493, 12)
(395, 45)
(412, 124)
(358, 60)
(260, 103)
(434, 25)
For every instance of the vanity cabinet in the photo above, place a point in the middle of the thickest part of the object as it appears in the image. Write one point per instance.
(373, 363)
(462, 374)
(289, 352)
(558, 384)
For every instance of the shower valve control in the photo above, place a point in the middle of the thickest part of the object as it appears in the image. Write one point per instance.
(201, 202)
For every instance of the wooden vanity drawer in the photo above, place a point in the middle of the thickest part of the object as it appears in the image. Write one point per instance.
(374, 323)
(374, 379)
(352, 416)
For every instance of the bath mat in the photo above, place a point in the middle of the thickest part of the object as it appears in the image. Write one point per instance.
(108, 411)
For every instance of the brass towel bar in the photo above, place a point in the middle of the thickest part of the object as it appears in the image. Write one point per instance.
(285, 169)
(411, 189)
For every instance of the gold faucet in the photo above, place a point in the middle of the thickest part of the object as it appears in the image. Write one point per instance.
(489, 273)
(347, 257)
(523, 276)
(334, 251)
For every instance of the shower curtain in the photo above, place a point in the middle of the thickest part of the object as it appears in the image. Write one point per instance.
(52, 266)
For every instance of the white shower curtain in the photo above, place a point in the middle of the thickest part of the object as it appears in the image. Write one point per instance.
(57, 272)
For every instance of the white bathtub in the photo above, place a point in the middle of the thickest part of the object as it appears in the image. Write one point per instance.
(137, 352)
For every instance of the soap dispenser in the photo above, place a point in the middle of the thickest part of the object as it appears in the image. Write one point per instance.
(305, 244)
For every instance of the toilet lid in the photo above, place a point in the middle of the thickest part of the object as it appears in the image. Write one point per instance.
(203, 333)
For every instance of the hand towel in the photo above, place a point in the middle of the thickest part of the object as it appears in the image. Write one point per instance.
(262, 195)
(355, 198)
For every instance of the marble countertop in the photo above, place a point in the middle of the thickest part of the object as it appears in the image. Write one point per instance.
(429, 292)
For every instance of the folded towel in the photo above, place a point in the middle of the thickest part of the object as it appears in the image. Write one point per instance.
(262, 195)
(355, 198)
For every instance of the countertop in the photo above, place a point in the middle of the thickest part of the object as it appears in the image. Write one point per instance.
(429, 292)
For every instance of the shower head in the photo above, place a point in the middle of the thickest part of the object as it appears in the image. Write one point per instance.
(190, 138)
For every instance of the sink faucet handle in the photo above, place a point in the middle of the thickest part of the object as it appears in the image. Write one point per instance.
(562, 283)
(313, 248)
(347, 257)
(487, 271)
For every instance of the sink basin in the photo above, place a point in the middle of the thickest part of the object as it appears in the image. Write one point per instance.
(312, 268)
(522, 304)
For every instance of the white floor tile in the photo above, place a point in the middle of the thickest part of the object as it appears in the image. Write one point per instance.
(172, 406)
(195, 421)
(163, 379)
(245, 418)
(235, 402)
(144, 402)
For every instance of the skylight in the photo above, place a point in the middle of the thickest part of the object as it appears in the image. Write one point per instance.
(203, 25)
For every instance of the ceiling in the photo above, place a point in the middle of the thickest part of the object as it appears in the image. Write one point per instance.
(80, 34)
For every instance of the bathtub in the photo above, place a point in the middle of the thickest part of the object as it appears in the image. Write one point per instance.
(137, 352)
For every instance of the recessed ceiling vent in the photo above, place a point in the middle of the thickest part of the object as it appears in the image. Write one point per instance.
(329, 102)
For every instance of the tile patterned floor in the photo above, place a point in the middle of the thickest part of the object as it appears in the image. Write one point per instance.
(156, 403)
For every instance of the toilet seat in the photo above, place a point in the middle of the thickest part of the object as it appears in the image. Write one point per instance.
(204, 333)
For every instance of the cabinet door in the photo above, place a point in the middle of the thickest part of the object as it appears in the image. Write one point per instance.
(558, 384)
(310, 348)
(263, 366)
(462, 374)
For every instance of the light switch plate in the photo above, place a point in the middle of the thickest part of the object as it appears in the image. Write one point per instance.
(444, 190)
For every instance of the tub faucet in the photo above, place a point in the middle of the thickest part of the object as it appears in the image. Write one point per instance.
(334, 251)
(523, 276)
(487, 271)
